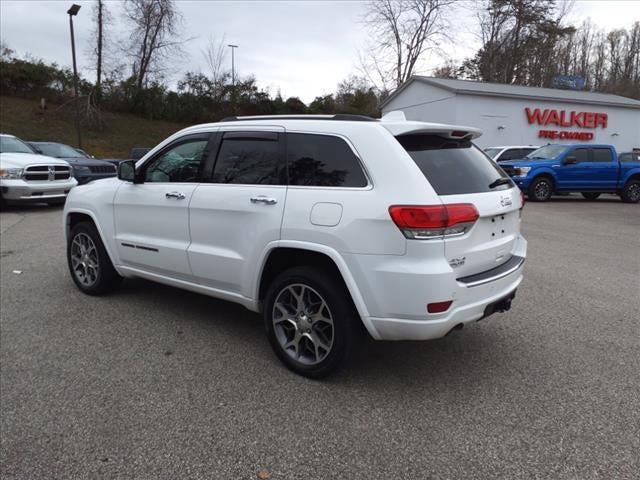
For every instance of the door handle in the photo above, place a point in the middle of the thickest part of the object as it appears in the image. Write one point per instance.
(263, 199)
(176, 195)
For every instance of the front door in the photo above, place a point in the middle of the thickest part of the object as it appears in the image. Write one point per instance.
(238, 211)
(572, 175)
(152, 217)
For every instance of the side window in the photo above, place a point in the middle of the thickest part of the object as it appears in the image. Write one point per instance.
(249, 160)
(510, 154)
(581, 154)
(526, 151)
(602, 155)
(178, 164)
(322, 161)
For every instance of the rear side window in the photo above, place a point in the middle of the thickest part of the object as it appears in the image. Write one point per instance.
(510, 154)
(322, 161)
(602, 155)
(249, 161)
(453, 166)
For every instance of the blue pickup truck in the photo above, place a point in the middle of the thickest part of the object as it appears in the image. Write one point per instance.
(588, 169)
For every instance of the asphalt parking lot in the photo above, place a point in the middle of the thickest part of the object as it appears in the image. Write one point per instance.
(152, 382)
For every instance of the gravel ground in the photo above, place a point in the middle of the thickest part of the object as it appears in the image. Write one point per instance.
(152, 382)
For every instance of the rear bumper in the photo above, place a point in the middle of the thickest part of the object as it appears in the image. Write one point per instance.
(402, 329)
(22, 191)
(397, 290)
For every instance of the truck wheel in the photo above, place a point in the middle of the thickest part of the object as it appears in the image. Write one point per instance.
(590, 195)
(89, 263)
(310, 321)
(540, 189)
(631, 191)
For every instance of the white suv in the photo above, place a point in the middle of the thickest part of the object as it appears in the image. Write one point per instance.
(318, 222)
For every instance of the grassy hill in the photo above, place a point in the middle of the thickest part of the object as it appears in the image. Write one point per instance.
(23, 118)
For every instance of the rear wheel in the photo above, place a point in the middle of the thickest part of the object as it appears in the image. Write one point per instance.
(631, 191)
(89, 263)
(310, 321)
(540, 189)
(590, 195)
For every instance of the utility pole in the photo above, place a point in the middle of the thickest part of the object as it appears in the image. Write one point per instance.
(73, 11)
(233, 64)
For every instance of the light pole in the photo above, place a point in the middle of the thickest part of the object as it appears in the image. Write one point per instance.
(233, 64)
(73, 11)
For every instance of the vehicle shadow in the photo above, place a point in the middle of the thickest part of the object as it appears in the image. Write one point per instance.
(374, 364)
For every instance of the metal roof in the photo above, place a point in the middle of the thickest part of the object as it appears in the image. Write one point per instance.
(470, 87)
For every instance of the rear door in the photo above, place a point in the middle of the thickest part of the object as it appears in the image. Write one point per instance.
(237, 210)
(460, 173)
(603, 169)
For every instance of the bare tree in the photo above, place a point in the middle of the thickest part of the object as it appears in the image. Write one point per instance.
(404, 31)
(154, 36)
(214, 55)
(101, 18)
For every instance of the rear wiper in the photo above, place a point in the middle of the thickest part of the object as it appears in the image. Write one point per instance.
(500, 181)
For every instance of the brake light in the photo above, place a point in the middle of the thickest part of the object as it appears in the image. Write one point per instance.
(522, 198)
(433, 221)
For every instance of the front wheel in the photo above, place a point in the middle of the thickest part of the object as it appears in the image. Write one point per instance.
(631, 192)
(540, 189)
(590, 195)
(310, 321)
(89, 263)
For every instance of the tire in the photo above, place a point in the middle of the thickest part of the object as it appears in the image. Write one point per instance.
(540, 190)
(631, 191)
(102, 277)
(590, 195)
(308, 357)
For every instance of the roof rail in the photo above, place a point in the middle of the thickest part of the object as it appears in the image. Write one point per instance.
(338, 116)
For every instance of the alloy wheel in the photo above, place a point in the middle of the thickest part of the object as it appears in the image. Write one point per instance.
(84, 259)
(303, 324)
(542, 190)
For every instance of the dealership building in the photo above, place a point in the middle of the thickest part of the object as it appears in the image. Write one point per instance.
(517, 115)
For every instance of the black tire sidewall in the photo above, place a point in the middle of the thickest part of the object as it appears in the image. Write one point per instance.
(532, 189)
(342, 311)
(625, 191)
(107, 277)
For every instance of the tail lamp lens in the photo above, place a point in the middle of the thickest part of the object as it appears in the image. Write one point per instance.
(433, 221)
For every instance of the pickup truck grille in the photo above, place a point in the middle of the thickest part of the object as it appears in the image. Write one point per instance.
(103, 169)
(41, 173)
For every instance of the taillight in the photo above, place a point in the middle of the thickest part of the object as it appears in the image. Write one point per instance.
(522, 198)
(433, 221)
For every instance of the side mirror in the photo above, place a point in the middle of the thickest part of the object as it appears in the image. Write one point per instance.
(127, 171)
(570, 160)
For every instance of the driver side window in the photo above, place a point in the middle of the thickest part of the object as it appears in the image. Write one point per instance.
(178, 164)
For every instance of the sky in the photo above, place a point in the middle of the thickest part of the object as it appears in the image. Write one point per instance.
(303, 48)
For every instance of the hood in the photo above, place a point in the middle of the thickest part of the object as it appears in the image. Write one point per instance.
(21, 160)
(86, 162)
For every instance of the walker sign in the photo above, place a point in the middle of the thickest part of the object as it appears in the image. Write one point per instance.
(563, 118)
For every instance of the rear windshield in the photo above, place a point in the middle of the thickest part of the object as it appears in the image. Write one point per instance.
(454, 167)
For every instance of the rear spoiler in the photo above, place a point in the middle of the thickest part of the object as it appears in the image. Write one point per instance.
(397, 124)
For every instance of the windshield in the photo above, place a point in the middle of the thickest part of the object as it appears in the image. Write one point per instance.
(59, 150)
(14, 145)
(454, 167)
(492, 152)
(547, 152)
